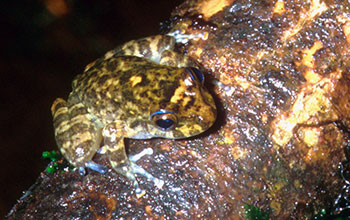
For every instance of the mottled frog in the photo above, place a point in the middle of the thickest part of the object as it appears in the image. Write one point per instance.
(142, 89)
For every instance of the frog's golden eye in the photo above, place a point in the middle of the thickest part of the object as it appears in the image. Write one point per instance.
(196, 74)
(164, 120)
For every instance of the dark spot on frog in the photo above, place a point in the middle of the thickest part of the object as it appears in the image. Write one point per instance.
(144, 81)
(168, 90)
(112, 65)
(165, 42)
(190, 103)
(116, 103)
(130, 47)
(174, 107)
(128, 95)
(146, 52)
(156, 92)
(136, 123)
(144, 95)
(197, 108)
(101, 81)
(78, 111)
(156, 76)
(125, 78)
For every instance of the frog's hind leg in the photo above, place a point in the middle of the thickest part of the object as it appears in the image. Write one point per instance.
(77, 136)
(149, 47)
(175, 59)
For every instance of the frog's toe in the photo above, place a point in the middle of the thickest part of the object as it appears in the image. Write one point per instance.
(102, 150)
(159, 183)
(96, 167)
(82, 171)
(139, 192)
(131, 175)
(93, 166)
(139, 170)
(136, 157)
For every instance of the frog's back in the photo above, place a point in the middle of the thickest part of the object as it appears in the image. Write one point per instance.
(125, 84)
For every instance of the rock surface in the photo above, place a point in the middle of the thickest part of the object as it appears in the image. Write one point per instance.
(279, 71)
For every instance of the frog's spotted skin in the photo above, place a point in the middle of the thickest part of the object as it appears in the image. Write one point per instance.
(139, 90)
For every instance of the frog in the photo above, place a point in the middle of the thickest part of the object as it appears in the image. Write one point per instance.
(142, 89)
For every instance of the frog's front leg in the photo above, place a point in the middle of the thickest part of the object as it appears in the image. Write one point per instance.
(115, 148)
(77, 136)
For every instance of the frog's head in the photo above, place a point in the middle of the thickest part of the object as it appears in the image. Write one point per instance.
(188, 110)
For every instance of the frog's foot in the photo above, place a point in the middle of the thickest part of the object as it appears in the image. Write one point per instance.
(102, 150)
(126, 169)
(93, 166)
(139, 170)
(129, 168)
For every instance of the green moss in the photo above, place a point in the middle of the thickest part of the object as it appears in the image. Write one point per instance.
(254, 213)
(53, 156)
(52, 168)
(324, 215)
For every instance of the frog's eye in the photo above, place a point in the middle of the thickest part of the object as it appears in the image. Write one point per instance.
(196, 74)
(164, 120)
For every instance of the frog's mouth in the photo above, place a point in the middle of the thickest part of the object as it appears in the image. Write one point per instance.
(165, 124)
(149, 130)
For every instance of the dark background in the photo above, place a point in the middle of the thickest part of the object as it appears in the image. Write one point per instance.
(44, 44)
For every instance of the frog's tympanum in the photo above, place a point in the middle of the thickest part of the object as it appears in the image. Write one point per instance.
(140, 90)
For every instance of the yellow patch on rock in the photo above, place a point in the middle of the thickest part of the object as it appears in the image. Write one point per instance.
(308, 54)
(312, 105)
(279, 7)
(210, 8)
(316, 9)
(311, 76)
(238, 153)
(310, 136)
